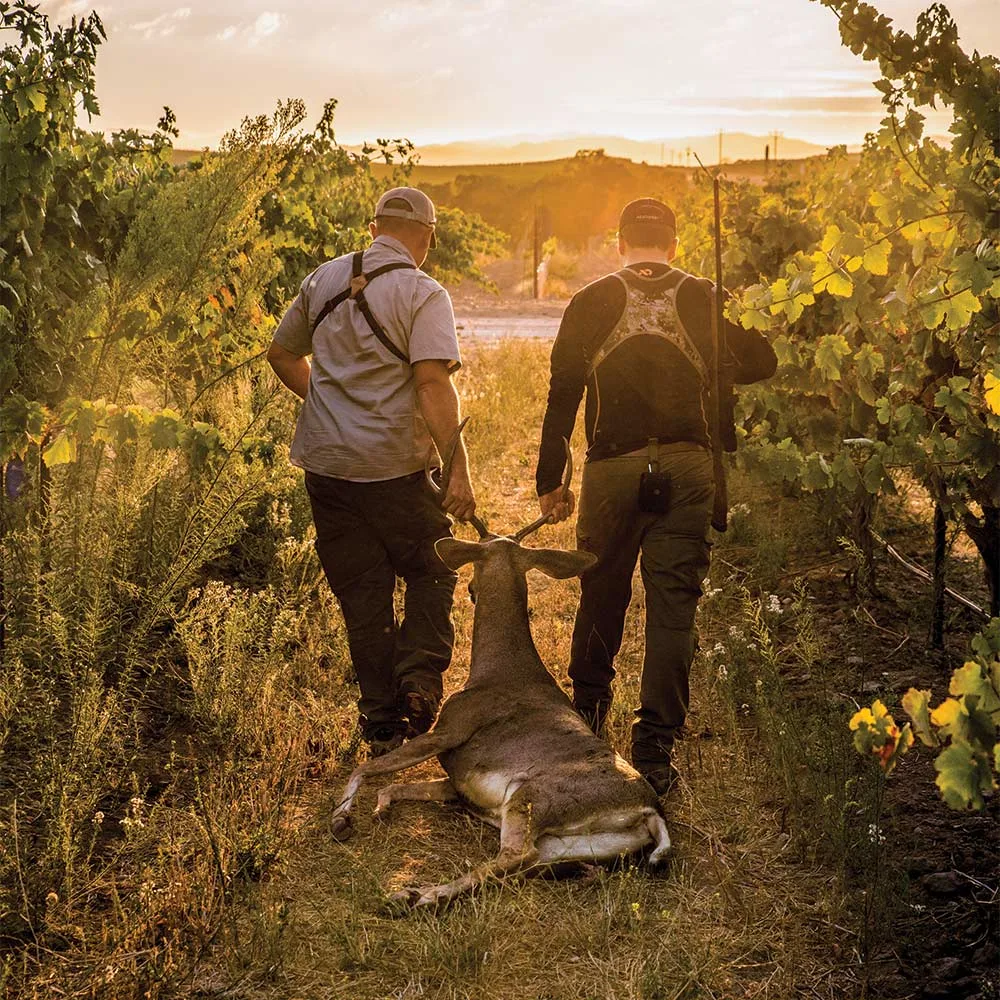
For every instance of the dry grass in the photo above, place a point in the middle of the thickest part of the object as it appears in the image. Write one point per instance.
(744, 910)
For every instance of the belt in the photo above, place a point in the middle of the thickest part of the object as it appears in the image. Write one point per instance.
(631, 449)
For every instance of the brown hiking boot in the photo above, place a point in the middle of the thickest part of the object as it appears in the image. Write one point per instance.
(420, 708)
(662, 777)
(382, 740)
(594, 715)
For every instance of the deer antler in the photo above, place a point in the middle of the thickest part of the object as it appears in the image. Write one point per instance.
(546, 518)
(440, 485)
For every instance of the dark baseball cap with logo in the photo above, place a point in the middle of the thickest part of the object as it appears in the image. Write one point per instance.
(408, 203)
(645, 218)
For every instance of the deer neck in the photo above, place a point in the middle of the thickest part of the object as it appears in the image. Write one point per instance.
(501, 636)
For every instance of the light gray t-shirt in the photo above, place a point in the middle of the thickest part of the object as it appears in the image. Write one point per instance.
(360, 419)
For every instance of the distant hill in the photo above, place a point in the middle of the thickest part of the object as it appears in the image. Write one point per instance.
(659, 152)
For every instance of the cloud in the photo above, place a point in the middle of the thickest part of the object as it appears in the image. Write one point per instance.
(253, 33)
(163, 25)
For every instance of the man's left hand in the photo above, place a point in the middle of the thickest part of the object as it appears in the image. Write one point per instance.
(558, 504)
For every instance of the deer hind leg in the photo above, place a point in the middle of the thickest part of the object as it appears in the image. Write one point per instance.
(441, 790)
(657, 827)
(419, 749)
(517, 853)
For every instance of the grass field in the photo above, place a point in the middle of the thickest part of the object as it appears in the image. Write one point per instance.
(187, 835)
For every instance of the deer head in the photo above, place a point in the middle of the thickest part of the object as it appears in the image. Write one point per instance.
(439, 485)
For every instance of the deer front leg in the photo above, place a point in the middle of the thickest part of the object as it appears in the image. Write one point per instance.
(419, 749)
(517, 853)
(441, 790)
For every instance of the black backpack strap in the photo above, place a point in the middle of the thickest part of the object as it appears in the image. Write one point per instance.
(356, 291)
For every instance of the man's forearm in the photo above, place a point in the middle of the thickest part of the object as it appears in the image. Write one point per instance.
(439, 406)
(292, 373)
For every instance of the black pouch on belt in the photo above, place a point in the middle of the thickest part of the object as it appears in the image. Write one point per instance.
(654, 486)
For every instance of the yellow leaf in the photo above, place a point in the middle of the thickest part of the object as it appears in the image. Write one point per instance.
(831, 238)
(876, 259)
(935, 224)
(840, 284)
(992, 394)
(862, 717)
(947, 713)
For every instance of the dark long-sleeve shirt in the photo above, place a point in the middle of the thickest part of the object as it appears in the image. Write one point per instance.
(646, 387)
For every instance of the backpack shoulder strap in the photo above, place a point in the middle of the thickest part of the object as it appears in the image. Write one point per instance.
(356, 291)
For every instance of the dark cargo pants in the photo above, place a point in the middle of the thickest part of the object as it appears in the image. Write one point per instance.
(367, 534)
(675, 553)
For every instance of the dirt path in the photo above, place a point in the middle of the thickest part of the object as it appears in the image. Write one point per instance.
(738, 914)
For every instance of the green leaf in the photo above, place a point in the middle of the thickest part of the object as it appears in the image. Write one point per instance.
(830, 353)
(61, 451)
(933, 312)
(875, 477)
(972, 680)
(960, 308)
(36, 96)
(869, 361)
(964, 776)
(163, 431)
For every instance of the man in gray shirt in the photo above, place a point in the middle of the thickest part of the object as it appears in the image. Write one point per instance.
(382, 338)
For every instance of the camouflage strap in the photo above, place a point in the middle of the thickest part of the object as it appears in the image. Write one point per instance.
(654, 316)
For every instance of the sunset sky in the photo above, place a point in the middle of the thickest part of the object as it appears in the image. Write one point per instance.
(442, 70)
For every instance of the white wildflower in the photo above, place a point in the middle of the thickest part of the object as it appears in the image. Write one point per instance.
(774, 604)
(875, 835)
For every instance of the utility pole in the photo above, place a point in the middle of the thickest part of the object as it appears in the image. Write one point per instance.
(536, 257)
(720, 147)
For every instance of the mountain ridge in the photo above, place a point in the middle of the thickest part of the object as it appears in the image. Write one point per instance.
(676, 151)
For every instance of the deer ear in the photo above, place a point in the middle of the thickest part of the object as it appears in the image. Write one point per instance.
(557, 563)
(455, 553)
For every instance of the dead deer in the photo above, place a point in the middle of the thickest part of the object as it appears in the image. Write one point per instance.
(515, 750)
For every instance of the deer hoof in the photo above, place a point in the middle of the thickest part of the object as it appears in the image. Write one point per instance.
(432, 897)
(381, 813)
(402, 902)
(341, 827)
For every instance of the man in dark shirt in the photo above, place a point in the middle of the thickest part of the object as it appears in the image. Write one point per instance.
(640, 342)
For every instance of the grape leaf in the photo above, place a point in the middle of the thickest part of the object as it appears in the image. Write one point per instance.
(876, 732)
(972, 679)
(992, 393)
(964, 775)
(830, 353)
(916, 704)
(876, 258)
(840, 284)
(960, 308)
(61, 451)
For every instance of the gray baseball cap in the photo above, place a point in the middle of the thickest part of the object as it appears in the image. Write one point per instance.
(408, 203)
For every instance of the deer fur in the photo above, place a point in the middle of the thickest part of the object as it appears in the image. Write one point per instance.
(516, 752)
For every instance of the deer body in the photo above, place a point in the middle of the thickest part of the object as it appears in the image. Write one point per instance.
(515, 751)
